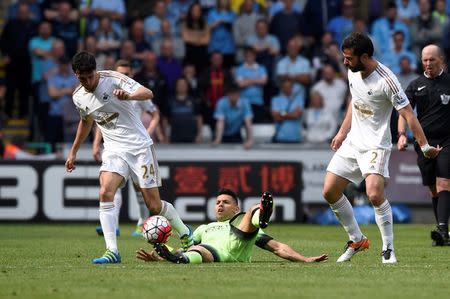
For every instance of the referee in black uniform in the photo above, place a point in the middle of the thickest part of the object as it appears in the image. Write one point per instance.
(430, 95)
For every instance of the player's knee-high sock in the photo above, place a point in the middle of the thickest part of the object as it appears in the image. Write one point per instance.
(143, 210)
(344, 212)
(108, 222)
(255, 217)
(194, 257)
(168, 211)
(117, 205)
(383, 218)
(434, 201)
(443, 210)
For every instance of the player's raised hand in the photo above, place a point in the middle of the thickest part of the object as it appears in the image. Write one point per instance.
(148, 256)
(402, 143)
(70, 163)
(321, 258)
(337, 141)
(121, 94)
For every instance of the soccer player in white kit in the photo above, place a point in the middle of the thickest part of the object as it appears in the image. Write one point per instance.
(148, 109)
(363, 144)
(106, 97)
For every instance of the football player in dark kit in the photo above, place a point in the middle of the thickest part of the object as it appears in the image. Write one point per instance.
(430, 94)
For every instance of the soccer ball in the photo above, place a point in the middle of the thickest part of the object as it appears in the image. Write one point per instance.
(156, 229)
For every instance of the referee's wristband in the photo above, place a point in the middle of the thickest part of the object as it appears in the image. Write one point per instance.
(425, 148)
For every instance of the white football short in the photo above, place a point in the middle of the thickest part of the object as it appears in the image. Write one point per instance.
(142, 167)
(355, 165)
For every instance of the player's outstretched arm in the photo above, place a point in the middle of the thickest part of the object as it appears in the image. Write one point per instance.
(419, 135)
(286, 252)
(402, 142)
(84, 128)
(146, 256)
(141, 94)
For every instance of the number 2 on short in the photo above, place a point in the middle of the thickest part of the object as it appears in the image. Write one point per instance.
(375, 155)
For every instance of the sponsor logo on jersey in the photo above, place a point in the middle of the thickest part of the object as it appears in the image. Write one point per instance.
(445, 99)
(421, 87)
(105, 97)
(370, 92)
(400, 99)
(363, 110)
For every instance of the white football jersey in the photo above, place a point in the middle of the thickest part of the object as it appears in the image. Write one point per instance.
(119, 121)
(372, 102)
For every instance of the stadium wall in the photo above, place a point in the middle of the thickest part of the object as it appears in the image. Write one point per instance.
(43, 191)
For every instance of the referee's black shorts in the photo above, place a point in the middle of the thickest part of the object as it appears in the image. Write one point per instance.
(430, 169)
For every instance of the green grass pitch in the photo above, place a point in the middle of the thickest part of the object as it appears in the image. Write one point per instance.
(54, 261)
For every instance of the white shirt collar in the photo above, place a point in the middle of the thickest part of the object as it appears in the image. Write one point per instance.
(425, 74)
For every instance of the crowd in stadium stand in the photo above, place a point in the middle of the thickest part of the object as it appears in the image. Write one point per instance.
(237, 61)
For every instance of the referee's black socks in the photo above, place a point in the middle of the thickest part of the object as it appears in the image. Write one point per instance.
(434, 201)
(443, 210)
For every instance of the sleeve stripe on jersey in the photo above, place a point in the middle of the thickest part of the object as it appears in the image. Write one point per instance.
(388, 79)
(77, 89)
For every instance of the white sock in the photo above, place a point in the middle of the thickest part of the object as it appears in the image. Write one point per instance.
(143, 210)
(383, 218)
(344, 213)
(117, 205)
(108, 222)
(168, 211)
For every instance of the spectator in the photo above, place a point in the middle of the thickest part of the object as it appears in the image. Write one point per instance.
(137, 36)
(446, 40)
(407, 10)
(244, 26)
(14, 41)
(384, 28)
(212, 83)
(207, 5)
(425, 29)
(150, 77)
(285, 24)
(320, 53)
(332, 90)
(220, 21)
(169, 66)
(251, 77)
(406, 74)
(166, 34)
(185, 117)
(34, 10)
(111, 9)
(439, 12)
(278, 5)
(65, 26)
(152, 24)
(60, 88)
(51, 9)
(138, 9)
(233, 111)
(177, 11)
(287, 109)
(295, 67)
(195, 34)
(320, 124)
(316, 15)
(108, 41)
(90, 45)
(39, 46)
(342, 25)
(392, 58)
(190, 74)
(128, 52)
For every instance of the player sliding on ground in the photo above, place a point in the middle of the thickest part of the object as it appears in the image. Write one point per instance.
(232, 237)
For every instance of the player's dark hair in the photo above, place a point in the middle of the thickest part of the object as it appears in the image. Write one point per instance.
(83, 62)
(360, 43)
(228, 192)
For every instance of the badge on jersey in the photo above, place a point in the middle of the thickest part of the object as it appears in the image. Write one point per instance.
(399, 99)
(445, 99)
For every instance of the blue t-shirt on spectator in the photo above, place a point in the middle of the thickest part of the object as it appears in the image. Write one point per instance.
(288, 130)
(269, 39)
(47, 66)
(340, 27)
(234, 116)
(392, 59)
(382, 32)
(253, 93)
(222, 36)
(410, 11)
(38, 43)
(59, 81)
(301, 65)
(117, 6)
